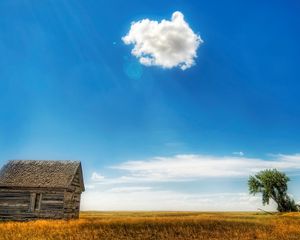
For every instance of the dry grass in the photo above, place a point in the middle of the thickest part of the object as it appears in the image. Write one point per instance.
(158, 225)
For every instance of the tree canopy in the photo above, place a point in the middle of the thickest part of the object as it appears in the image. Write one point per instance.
(273, 185)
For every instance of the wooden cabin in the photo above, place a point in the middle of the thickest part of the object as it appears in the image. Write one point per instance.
(31, 189)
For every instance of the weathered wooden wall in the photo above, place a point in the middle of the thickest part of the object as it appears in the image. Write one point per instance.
(14, 205)
(27, 204)
(72, 198)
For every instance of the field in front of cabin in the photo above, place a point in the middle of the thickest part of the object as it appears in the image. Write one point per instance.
(158, 225)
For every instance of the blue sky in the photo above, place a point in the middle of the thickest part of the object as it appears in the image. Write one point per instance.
(71, 89)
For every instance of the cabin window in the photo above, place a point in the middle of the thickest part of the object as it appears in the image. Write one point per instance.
(35, 201)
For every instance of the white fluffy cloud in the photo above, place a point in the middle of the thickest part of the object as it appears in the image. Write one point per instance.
(141, 185)
(181, 167)
(191, 167)
(166, 44)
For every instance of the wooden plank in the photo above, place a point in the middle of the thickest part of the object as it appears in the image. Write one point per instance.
(31, 189)
(58, 197)
(12, 194)
(13, 213)
(3, 205)
(12, 201)
(52, 202)
(38, 202)
(52, 207)
(32, 202)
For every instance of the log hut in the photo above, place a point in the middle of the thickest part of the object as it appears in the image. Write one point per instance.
(31, 189)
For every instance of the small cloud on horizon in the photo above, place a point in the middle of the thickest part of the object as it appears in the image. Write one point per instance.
(166, 44)
(129, 189)
(97, 176)
(238, 153)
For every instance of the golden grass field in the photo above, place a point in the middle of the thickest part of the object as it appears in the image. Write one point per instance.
(158, 225)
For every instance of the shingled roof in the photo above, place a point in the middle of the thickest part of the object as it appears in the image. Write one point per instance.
(39, 173)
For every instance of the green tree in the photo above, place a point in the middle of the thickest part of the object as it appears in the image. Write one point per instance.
(273, 185)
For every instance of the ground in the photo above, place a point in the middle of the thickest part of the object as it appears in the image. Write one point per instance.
(158, 225)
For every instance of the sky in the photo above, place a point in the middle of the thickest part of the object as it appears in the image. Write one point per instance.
(169, 105)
